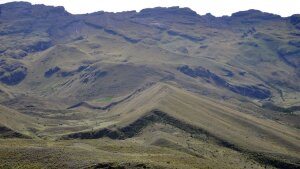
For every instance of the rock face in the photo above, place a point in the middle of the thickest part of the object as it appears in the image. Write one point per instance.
(91, 74)
(227, 73)
(290, 54)
(12, 73)
(186, 36)
(295, 19)
(38, 46)
(251, 91)
(178, 35)
(255, 14)
(246, 90)
(24, 9)
(161, 12)
(51, 72)
(8, 133)
(62, 73)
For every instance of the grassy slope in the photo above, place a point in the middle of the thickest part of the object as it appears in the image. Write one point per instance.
(126, 153)
(219, 120)
(245, 132)
(216, 118)
(18, 122)
(137, 52)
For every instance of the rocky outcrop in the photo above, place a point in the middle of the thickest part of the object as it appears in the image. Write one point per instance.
(245, 90)
(61, 73)
(25, 9)
(14, 53)
(9, 133)
(23, 30)
(265, 37)
(23, 49)
(197, 72)
(113, 32)
(249, 32)
(251, 91)
(38, 46)
(12, 73)
(251, 44)
(271, 106)
(161, 12)
(73, 72)
(91, 74)
(51, 71)
(227, 72)
(290, 55)
(183, 50)
(295, 20)
(186, 36)
(252, 15)
(86, 73)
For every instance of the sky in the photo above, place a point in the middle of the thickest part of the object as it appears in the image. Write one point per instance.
(215, 7)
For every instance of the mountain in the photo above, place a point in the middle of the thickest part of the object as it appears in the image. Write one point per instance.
(159, 88)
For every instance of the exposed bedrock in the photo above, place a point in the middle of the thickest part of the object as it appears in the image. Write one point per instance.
(9, 133)
(12, 73)
(245, 90)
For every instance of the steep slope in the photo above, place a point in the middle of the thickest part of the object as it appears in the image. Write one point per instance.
(243, 57)
(174, 121)
(159, 88)
(199, 116)
(15, 124)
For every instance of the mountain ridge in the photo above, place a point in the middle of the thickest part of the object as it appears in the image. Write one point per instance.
(159, 88)
(24, 4)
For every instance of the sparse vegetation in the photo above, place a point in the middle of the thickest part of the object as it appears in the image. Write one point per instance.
(159, 88)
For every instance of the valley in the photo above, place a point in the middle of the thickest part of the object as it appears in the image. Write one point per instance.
(159, 88)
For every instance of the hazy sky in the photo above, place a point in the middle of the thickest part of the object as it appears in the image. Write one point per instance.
(216, 7)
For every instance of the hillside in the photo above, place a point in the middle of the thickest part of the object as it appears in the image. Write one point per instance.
(159, 88)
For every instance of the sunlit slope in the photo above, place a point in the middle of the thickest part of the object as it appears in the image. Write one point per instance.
(214, 119)
(18, 122)
(51, 53)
